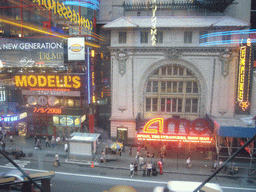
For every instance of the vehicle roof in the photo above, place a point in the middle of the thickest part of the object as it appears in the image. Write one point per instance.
(189, 186)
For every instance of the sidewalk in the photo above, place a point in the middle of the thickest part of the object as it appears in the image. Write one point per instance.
(175, 164)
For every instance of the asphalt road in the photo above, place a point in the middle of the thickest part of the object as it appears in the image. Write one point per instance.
(72, 178)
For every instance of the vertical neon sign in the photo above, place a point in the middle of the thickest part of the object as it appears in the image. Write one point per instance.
(88, 75)
(244, 76)
(153, 21)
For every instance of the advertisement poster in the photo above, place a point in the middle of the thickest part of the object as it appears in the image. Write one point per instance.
(32, 52)
(76, 49)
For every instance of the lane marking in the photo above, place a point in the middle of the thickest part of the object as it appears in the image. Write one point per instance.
(123, 179)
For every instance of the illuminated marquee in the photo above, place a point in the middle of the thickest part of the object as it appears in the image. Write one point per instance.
(195, 131)
(62, 10)
(244, 76)
(51, 81)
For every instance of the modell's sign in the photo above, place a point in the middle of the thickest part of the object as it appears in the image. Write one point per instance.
(172, 129)
(48, 81)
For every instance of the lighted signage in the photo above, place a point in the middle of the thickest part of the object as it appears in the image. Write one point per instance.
(47, 110)
(69, 120)
(244, 76)
(23, 115)
(31, 52)
(176, 130)
(51, 81)
(50, 92)
(63, 11)
(9, 118)
(166, 137)
(76, 48)
(93, 4)
(153, 21)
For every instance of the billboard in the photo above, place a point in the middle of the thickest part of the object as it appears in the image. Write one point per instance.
(31, 52)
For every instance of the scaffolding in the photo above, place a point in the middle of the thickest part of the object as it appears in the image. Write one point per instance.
(227, 146)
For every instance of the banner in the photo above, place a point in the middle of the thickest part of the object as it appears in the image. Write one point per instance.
(76, 49)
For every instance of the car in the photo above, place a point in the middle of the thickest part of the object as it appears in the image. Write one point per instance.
(187, 186)
(18, 177)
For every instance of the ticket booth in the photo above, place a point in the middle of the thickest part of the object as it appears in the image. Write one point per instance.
(82, 146)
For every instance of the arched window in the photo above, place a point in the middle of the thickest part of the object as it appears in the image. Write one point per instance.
(172, 90)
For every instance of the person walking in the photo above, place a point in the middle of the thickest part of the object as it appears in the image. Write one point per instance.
(188, 162)
(35, 140)
(3, 145)
(66, 147)
(39, 144)
(132, 169)
(130, 151)
(144, 169)
(103, 154)
(135, 168)
(149, 168)
(53, 142)
(160, 164)
(57, 160)
(47, 142)
(11, 138)
(141, 162)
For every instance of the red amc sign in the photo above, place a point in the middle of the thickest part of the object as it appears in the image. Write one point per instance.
(158, 129)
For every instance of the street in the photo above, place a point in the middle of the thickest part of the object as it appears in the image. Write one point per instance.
(84, 178)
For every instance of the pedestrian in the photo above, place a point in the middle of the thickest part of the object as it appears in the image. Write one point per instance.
(39, 144)
(188, 162)
(160, 164)
(132, 169)
(141, 162)
(137, 155)
(57, 141)
(35, 140)
(120, 152)
(103, 154)
(130, 151)
(57, 160)
(66, 147)
(53, 142)
(215, 165)
(135, 168)
(3, 145)
(47, 142)
(149, 168)
(144, 169)
(11, 138)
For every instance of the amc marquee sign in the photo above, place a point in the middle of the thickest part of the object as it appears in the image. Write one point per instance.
(172, 129)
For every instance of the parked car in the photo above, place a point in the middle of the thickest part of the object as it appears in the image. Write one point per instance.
(187, 186)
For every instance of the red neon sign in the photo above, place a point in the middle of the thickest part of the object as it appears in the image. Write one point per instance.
(148, 137)
(47, 110)
(193, 131)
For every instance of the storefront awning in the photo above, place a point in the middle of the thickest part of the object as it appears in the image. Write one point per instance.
(239, 126)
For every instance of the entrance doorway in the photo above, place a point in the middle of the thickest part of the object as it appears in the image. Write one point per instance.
(122, 134)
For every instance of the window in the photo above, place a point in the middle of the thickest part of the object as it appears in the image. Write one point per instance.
(203, 37)
(122, 37)
(226, 36)
(143, 37)
(188, 37)
(2, 95)
(159, 37)
(172, 89)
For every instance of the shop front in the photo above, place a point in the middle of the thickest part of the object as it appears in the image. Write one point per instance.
(54, 103)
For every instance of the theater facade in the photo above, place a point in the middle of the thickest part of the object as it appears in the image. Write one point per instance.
(181, 83)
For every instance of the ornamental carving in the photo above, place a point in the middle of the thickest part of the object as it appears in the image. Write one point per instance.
(225, 59)
(173, 54)
(122, 57)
